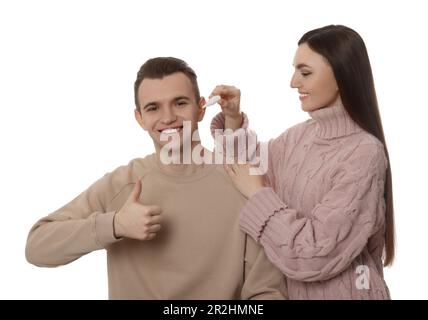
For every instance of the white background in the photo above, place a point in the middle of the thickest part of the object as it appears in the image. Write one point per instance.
(66, 106)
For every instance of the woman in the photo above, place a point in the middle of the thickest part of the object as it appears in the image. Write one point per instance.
(324, 210)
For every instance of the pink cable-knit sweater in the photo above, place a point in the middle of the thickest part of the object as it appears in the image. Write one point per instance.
(321, 220)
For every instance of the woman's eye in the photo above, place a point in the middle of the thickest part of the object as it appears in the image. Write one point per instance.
(305, 74)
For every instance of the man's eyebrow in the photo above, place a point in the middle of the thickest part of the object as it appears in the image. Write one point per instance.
(154, 103)
(181, 97)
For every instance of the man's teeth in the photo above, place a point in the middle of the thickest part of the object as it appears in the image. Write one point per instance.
(169, 131)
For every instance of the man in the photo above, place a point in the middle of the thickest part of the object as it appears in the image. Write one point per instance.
(171, 230)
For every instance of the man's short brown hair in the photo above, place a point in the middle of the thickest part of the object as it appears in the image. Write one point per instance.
(157, 68)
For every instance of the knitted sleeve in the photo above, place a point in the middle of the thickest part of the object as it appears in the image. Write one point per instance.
(317, 245)
(229, 143)
(243, 145)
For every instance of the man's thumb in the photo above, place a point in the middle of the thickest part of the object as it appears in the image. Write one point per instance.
(135, 195)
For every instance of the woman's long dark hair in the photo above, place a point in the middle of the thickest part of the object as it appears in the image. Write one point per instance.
(346, 52)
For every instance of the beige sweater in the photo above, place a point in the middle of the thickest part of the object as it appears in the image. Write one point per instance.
(200, 253)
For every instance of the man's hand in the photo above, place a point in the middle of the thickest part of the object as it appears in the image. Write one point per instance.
(230, 105)
(137, 221)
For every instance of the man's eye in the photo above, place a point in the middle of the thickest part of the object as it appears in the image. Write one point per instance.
(152, 108)
(181, 103)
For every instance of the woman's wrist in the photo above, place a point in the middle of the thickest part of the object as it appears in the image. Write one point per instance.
(233, 121)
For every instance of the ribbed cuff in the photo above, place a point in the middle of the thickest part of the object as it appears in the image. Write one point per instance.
(241, 143)
(258, 210)
(218, 122)
(104, 228)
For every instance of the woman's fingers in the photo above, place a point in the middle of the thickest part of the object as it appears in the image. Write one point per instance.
(225, 91)
(229, 170)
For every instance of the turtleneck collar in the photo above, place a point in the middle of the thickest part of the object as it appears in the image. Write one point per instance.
(333, 122)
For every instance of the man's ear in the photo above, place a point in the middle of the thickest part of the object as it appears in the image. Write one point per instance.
(139, 119)
(201, 111)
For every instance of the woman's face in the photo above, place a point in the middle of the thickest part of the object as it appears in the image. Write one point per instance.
(314, 79)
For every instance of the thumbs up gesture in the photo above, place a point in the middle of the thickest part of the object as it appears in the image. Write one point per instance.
(135, 220)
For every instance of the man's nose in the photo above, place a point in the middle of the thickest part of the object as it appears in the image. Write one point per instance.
(168, 115)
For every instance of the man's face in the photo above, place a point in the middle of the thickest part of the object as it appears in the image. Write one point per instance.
(165, 104)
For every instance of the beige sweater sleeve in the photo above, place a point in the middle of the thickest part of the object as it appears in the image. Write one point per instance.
(263, 281)
(79, 227)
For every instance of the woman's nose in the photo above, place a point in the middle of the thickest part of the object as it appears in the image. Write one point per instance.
(293, 82)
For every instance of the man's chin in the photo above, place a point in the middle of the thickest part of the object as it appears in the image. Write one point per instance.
(169, 145)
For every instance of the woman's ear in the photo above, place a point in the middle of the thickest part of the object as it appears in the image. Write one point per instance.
(140, 119)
